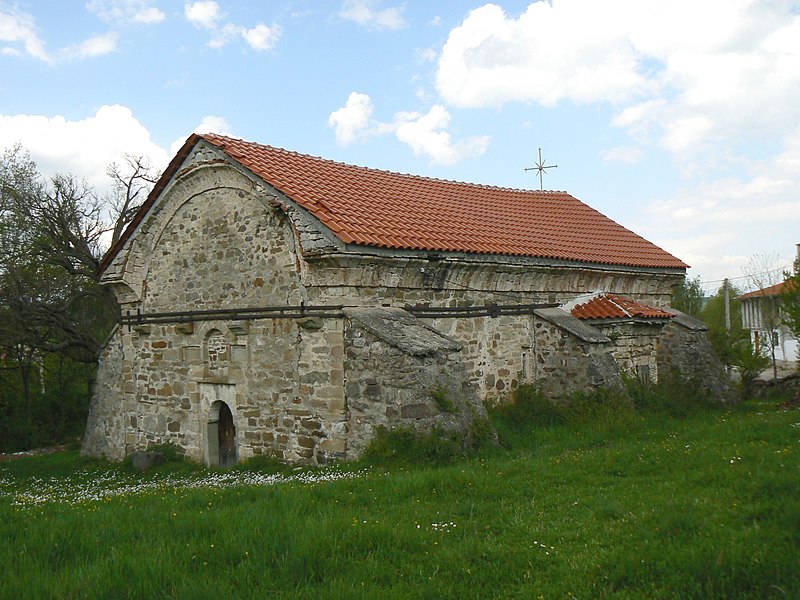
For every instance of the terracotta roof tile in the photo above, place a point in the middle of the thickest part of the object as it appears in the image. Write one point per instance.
(393, 210)
(614, 306)
(773, 290)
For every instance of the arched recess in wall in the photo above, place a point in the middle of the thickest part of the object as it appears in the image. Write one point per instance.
(217, 353)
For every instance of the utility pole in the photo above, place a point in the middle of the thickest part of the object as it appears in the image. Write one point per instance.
(726, 287)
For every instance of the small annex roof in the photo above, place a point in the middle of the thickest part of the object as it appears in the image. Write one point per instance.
(603, 305)
(382, 209)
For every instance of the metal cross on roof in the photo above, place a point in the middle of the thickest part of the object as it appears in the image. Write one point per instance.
(541, 168)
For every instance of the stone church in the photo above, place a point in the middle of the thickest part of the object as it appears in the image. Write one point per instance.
(280, 304)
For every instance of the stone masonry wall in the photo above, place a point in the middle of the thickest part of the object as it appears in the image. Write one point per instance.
(565, 364)
(496, 350)
(685, 350)
(634, 347)
(215, 242)
(400, 373)
(105, 427)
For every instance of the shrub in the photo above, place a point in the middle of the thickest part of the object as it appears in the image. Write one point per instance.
(442, 399)
(404, 445)
(529, 406)
(673, 395)
(600, 405)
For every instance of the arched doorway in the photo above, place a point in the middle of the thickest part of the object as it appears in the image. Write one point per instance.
(221, 436)
(227, 436)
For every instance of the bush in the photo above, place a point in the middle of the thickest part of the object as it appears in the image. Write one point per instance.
(673, 395)
(405, 446)
(600, 405)
(529, 406)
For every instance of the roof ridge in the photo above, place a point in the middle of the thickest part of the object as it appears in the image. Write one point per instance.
(612, 298)
(217, 136)
(581, 299)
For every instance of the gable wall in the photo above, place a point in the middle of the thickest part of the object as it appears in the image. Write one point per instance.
(215, 242)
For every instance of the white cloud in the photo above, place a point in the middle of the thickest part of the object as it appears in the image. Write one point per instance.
(98, 45)
(126, 11)
(209, 124)
(427, 54)
(754, 213)
(353, 121)
(224, 35)
(18, 28)
(206, 15)
(262, 37)
(550, 53)
(623, 154)
(364, 13)
(426, 134)
(681, 72)
(203, 14)
(84, 147)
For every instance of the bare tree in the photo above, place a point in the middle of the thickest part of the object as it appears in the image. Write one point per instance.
(53, 234)
(132, 183)
(762, 273)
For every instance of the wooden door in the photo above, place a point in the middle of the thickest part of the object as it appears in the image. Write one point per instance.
(227, 437)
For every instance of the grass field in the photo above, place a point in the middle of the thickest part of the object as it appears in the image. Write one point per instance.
(627, 504)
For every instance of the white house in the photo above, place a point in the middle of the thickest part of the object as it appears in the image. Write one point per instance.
(761, 314)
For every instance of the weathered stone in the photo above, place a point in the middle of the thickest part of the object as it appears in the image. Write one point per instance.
(184, 328)
(143, 461)
(310, 323)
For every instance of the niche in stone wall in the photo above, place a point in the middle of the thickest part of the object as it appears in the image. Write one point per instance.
(217, 354)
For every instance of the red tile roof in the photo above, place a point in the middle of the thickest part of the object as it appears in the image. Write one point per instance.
(773, 290)
(391, 210)
(613, 306)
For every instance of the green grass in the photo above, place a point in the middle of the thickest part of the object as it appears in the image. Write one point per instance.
(701, 503)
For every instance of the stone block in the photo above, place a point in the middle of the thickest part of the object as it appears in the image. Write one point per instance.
(305, 441)
(184, 328)
(417, 411)
(143, 461)
(239, 354)
(191, 354)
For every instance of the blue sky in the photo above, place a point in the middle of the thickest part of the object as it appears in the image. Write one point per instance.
(679, 119)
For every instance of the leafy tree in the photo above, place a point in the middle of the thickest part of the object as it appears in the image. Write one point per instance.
(728, 344)
(790, 300)
(53, 235)
(688, 297)
(54, 314)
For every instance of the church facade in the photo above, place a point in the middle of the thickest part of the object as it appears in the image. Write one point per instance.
(280, 304)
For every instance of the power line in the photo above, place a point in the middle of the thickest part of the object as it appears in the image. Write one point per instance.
(769, 272)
